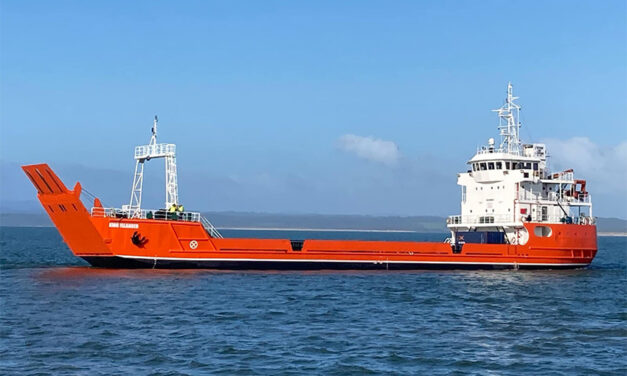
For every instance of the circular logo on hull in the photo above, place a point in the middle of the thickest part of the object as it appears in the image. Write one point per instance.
(193, 244)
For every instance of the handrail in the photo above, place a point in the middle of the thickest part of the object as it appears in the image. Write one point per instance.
(555, 197)
(160, 214)
(213, 232)
(155, 150)
(478, 219)
(507, 218)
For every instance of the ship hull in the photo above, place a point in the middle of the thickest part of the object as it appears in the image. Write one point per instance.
(117, 262)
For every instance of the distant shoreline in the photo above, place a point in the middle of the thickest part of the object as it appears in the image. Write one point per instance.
(313, 229)
(620, 234)
(601, 233)
(611, 233)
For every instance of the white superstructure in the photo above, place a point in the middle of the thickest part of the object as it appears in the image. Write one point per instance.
(509, 184)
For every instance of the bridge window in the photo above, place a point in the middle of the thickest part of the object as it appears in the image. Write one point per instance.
(535, 167)
(507, 165)
(491, 166)
(499, 165)
(514, 165)
(483, 166)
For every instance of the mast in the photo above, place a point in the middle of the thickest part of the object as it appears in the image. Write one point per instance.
(144, 153)
(509, 123)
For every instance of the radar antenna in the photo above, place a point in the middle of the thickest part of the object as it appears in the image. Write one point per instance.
(509, 123)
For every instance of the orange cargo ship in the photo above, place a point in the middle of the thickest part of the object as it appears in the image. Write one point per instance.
(514, 214)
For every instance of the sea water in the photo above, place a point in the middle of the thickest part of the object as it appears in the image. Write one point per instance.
(60, 316)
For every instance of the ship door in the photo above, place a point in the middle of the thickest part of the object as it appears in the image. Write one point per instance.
(545, 214)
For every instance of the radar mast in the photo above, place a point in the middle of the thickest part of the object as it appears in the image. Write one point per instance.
(509, 124)
(144, 153)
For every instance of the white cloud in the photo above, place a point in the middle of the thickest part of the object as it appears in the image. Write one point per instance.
(604, 166)
(370, 148)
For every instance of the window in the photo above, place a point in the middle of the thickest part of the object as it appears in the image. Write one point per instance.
(542, 231)
(514, 165)
(491, 166)
(499, 165)
(486, 219)
(507, 165)
(483, 166)
(545, 213)
(535, 166)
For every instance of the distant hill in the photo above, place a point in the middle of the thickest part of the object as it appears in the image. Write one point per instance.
(310, 221)
(322, 221)
(611, 225)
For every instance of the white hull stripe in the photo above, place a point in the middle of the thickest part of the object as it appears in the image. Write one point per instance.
(350, 261)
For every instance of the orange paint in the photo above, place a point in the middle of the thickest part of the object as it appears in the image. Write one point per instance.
(98, 237)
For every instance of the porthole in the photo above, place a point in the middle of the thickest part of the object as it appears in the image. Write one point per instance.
(542, 231)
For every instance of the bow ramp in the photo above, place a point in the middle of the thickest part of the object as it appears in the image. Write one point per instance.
(66, 211)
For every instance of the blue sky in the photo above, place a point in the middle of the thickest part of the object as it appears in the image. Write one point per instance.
(260, 96)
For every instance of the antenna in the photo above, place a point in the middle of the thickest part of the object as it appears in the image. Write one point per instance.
(153, 139)
(509, 123)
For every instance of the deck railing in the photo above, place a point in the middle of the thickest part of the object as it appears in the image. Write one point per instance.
(507, 218)
(478, 219)
(146, 214)
(160, 214)
(155, 150)
(554, 196)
